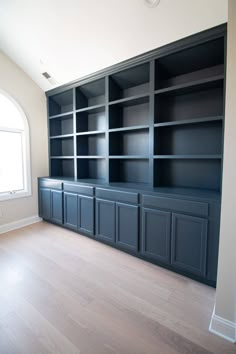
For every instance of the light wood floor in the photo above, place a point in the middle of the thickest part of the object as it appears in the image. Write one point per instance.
(65, 293)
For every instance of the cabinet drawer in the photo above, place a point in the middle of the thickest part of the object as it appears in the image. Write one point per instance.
(76, 188)
(52, 184)
(184, 206)
(128, 197)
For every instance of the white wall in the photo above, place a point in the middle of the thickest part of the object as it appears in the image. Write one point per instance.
(224, 318)
(33, 102)
(78, 37)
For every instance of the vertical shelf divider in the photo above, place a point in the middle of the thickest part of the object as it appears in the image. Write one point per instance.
(107, 126)
(74, 133)
(49, 141)
(223, 127)
(151, 122)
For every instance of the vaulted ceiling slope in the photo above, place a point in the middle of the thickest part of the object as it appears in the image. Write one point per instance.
(73, 38)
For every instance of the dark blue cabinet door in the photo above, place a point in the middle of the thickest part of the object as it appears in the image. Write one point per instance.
(70, 210)
(45, 203)
(189, 243)
(156, 234)
(105, 220)
(86, 214)
(56, 209)
(127, 226)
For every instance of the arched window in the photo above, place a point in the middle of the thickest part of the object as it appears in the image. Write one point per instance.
(15, 178)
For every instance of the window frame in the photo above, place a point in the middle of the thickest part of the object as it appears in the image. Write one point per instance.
(27, 191)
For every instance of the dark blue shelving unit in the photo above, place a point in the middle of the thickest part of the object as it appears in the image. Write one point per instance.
(140, 145)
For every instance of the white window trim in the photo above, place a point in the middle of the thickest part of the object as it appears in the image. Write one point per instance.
(27, 192)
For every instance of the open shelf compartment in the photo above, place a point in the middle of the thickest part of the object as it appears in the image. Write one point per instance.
(61, 125)
(91, 169)
(131, 142)
(134, 113)
(90, 94)
(62, 167)
(198, 139)
(91, 145)
(193, 105)
(129, 82)
(62, 147)
(129, 171)
(200, 173)
(94, 120)
(196, 63)
(61, 103)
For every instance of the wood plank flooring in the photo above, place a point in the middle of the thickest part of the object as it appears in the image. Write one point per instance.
(63, 293)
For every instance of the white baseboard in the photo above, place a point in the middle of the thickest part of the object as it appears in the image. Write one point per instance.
(19, 223)
(223, 328)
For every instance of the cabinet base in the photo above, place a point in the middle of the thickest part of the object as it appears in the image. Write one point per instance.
(140, 256)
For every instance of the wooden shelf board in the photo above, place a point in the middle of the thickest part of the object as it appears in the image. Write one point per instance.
(191, 157)
(61, 157)
(132, 100)
(189, 121)
(92, 132)
(94, 109)
(90, 157)
(135, 127)
(61, 136)
(192, 86)
(61, 115)
(138, 157)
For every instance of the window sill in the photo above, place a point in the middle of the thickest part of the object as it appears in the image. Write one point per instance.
(10, 196)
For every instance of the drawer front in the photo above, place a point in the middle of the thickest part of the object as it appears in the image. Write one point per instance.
(76, 188)
(52, 184)
(179, 205)
(118, 196)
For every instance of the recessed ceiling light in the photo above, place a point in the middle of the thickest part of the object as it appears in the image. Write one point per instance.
(152, 3)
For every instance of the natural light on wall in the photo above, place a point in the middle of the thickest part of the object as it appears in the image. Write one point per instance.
(14, 150)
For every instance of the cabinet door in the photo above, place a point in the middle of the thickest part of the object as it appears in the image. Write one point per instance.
(45, 203)
(156, 234)
(105, 220)
(70, 210)
(127, 226)
(86, 214)
(189, 243)
(56, 210)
